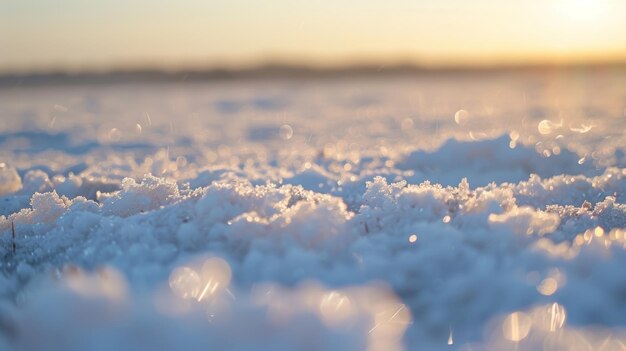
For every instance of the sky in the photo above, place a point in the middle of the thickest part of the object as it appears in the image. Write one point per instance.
(104, 34)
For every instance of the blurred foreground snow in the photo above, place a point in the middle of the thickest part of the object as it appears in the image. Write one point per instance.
(397, 214)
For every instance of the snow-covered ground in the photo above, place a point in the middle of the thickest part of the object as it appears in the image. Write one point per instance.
(472, 212)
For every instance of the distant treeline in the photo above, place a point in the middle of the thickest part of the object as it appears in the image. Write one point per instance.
(273, 71)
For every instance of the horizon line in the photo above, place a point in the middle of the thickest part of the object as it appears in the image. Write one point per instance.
(275, 70)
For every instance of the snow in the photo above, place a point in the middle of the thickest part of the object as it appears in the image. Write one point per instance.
(391, 214)
(10, 181)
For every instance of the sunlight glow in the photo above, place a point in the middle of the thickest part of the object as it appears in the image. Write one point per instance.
(321, 33)
(516, 326)
(584, 10)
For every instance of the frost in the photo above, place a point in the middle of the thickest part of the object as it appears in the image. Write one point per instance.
(46, 208)
(525, 220)
(151, 193)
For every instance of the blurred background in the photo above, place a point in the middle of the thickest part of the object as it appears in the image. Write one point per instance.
(70, 36)
(399, 75)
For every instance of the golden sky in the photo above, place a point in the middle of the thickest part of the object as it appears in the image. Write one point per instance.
(100, 34)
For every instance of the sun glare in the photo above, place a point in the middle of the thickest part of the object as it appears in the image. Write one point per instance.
(583, 10)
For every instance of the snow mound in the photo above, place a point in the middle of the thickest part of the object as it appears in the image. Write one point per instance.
(10, 181)
(488, 161)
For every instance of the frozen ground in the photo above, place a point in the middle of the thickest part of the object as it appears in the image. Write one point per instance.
(474, 212)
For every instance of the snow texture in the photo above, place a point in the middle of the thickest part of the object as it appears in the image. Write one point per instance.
(396, 214)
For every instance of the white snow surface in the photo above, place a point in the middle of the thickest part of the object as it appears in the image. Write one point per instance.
(475, 212)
